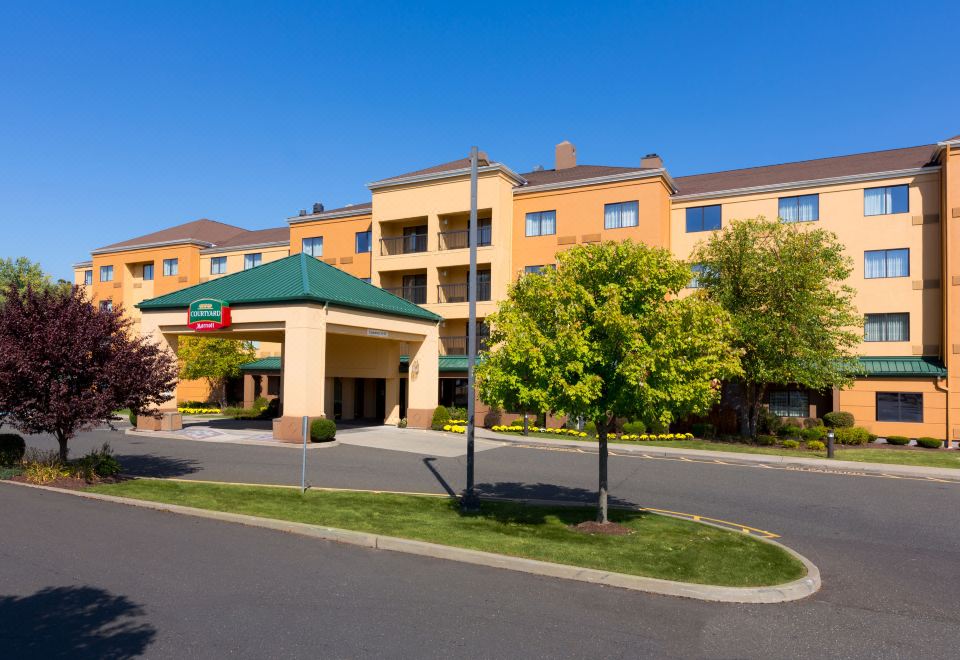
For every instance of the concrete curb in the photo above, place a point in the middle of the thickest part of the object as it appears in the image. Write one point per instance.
(254, 443)
(790, 591)
(821, 464)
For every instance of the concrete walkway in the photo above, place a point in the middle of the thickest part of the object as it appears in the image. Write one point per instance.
(799, 462)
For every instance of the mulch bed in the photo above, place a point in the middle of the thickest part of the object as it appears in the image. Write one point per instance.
(70, 483)
(610, 528)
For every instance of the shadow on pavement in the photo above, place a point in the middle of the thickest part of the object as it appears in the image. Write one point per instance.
(439, 477)
(73, 622)
(232, 424)
(151, 465)
(522, 491)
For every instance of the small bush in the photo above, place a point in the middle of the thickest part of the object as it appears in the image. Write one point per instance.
(703, 430)
(929, 443)
(12, 448)
(768, 423)
(898, 440)
(815, 445)
(791, 430)
(322, 430)
(99, 463)
(41, 473)
(441, 418)
(852, 435)
(766, 440)
(260, 403)
(132, 416)
(241, 413)
(838, 420)
(457, 412)
(590, 428)
(812, 422)
(814, 433)
(790, 444)
(634, 428)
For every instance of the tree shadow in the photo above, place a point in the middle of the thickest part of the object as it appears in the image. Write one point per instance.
(73, 622)
(573, 505)
(233, 424)
(151, 465)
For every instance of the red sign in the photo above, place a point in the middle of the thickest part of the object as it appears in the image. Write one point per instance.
(208, 314)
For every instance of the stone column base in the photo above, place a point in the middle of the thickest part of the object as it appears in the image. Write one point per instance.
(168, 421)
(419, 418)
(290, 429)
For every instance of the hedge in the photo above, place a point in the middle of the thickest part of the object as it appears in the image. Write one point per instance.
(12, 448)
(929, 443)
(839, 420)
(323, 430)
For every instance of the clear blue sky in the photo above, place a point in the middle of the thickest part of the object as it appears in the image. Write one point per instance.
(117, 119)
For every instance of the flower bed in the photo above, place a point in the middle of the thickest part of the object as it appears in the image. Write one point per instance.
(199, 411)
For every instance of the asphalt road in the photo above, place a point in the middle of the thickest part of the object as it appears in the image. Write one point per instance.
(887, 549)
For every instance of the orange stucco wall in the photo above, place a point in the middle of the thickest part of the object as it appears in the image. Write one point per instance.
(580, 218)
(339, 242)
(861, 401)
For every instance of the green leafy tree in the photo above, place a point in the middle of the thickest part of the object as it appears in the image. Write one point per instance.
(783, 286)
(605, 336)
(21, 273)
(214, 360)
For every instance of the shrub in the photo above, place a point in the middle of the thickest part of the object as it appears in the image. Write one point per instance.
(590, 428)
(99, 463)
(791, 430)
(402, 424)
(702, 430)
(929, 443)
(814, 433)
(838, 420)
(768, 423)
(42, 473)
(260, 403)
(132, 416)
(322, 430)
(441, 417)
(766, 440)
(898, 440)
(12, 448)
(790, 444)
(634, 428)
(457, 412)
(812, 423)
(815, 445)
(241, 413)
(852, 435)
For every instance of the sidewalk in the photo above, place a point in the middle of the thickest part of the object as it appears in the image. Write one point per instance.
(821, 464)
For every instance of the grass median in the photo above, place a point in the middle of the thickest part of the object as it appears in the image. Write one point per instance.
(940, 458)
(660, 546)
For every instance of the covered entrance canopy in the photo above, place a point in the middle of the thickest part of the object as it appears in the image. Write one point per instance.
(329, 324)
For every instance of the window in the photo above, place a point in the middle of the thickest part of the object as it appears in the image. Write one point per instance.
(802, 208)
(218, 265)
(536, 270)
(252, 260)
(106, 273)
(695, 280)
(887, 327)
(886, 200)
(148, 271)
(542, 223)
(313, 246)
(790, 403)
(88, 277)
(106, 305)
(886, 263)
(170, 267)
(703, 218)
(624, 214)
(899, 407)
(364, 238)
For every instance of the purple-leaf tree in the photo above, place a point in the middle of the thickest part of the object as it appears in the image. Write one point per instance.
(66, 366)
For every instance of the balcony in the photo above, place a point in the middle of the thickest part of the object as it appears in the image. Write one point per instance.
(415, 293)
(458, 345)
(403, 245)
(460, 239)
(457, 293)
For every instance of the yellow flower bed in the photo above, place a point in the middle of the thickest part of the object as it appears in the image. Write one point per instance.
(454, 428)
(199, 411)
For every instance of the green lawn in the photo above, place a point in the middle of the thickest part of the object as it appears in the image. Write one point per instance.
(892, 455)
(661, 547)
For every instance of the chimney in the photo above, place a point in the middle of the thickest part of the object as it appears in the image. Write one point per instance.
(651, 161)
(303, 212)
(317, 208)
(566, 155)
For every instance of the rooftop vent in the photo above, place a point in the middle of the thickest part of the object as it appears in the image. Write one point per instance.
(303, 211)
(318, 208)
(651, 161)
(538, 168)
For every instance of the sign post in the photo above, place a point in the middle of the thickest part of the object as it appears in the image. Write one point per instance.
(303, 470)
(470, 503)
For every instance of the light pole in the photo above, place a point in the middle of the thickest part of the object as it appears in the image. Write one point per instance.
(469, 502)
(830, 437)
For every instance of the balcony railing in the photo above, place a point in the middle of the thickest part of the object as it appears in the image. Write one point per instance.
(455, 293)
(458, 345)
(403, 245)
(460, 239)
(415, 293)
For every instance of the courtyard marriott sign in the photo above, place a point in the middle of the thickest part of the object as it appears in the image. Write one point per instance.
(208, 314)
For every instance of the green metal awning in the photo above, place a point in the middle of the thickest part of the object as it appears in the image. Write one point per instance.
(263, 364)
(297, 278)
(902, 367)
(448, 363)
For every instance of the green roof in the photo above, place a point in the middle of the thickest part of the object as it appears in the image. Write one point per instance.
(297, 278)
(263, 364)
(447, 363)
(930, 367)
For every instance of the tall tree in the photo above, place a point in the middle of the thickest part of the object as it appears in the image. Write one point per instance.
(214, 360)
(605, 336)
(783, 286)
(21, 273)
(66, 366)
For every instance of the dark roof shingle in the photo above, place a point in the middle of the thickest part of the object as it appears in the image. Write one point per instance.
(808, 170)
(207, 231)
(256, 237)
(459, 164)
(541, 177)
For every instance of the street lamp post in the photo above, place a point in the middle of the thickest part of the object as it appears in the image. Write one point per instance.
(830, 437)
(469, 502)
